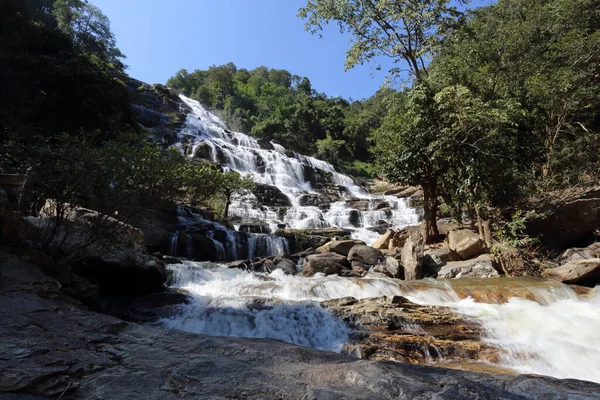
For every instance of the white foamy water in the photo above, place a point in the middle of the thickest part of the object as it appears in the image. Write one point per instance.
(294, 175)
(556, 336)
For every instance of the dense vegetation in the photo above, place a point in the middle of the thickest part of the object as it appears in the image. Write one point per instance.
(66, 122)
(507, 107)
(273, 104)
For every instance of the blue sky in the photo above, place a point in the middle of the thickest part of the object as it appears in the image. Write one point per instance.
(160, 37)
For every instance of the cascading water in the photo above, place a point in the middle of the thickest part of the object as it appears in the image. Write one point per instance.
(555, 335)
(297, 177)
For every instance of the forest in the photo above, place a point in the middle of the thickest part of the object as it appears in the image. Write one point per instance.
(496, 105)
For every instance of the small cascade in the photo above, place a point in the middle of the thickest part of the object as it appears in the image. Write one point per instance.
(298, 181)
(202, 239)
(540, 327)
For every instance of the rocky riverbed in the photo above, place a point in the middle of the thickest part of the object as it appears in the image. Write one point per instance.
(53, 347)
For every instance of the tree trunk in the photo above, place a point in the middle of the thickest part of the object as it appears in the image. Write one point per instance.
(227, 204)
(430, 208)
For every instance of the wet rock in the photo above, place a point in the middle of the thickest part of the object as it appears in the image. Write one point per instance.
(412, 254)
(285, 264)
(240, 264)
(365, 254)
(579, 272)
(393, 328)
(380, 227)
(255, 227)
(466, 243)
(354, 218)
(341, 247)
(270, 196)
(51, 348)
(358, 204)
(326, 263)
(480, 267)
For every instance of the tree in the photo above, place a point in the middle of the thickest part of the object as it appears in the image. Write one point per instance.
(230, 183)
(403, 31)
(88, 28)
(407, 32)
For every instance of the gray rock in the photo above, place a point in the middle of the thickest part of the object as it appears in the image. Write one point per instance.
(365, 254)
(391, 268)
(480, 267)
(286, 265)
(435, 259)
(52, 349)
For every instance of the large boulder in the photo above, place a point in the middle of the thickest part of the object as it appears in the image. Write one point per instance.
(466, 243)
(105, 251)
(326, 263)
(341, 247)
(412, 254)
(566, 222)
(400, 237)
(268, 195)
(435, 258)
(480, 267)
(580, 253)
(365, 254)
(580, 272)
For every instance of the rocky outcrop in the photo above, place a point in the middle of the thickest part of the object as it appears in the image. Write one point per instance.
(568, 218)
(435, 258)
(466, 243)
(52, 347)
(384, 241)
(325, 263)
(579, 272)
(102, 250)
(393, 328)
(480, 267)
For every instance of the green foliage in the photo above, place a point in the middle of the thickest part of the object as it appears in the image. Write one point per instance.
(405, 31)
(513, 232)
(275, 105)
(48, 85)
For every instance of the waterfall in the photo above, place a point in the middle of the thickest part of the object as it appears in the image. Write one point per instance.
(293, 175)
(555, 335)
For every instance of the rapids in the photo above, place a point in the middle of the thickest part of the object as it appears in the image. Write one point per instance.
(544, 329)
(293, 175)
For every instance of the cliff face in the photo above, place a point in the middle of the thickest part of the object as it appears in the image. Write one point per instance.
(52, 347)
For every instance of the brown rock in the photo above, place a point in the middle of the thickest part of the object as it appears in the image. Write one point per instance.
(466, 243)
(341, 247)
(326, 263)
(365, 254)
(384, 241)
(580, 272)
(412, 255)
